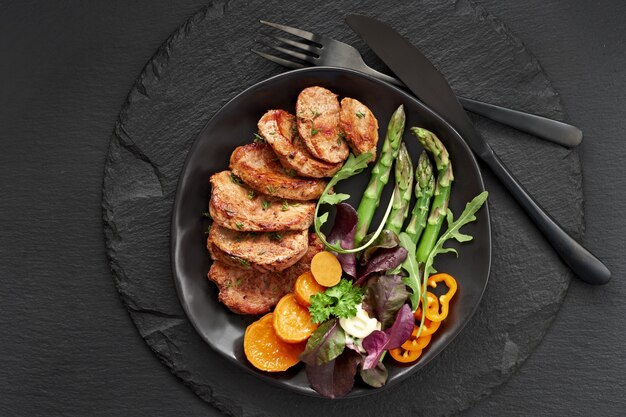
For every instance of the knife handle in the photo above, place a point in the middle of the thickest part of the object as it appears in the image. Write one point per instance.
(552, 130)
(542, 127)
(584, 264)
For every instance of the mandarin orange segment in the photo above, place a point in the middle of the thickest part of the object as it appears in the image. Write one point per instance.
(305, 287)
(265, 350)
(292, 321)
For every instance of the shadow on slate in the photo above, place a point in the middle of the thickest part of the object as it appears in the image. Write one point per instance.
(205, 63)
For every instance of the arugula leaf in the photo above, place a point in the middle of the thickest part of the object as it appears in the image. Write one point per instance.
(340, 301)
(453, 231)
(410, 265)
(333, 198)
(353, 166)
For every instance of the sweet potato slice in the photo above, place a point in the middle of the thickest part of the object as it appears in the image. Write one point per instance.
(326, 269)
(292, 322)
(265, 351)
(305, 287)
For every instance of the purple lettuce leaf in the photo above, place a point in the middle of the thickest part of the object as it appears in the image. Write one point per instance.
(379, 341)
(386, 240)
(326, 343)
(384, 297)
(384, 260)
(375, 377)
(335, 378)
(342, 233)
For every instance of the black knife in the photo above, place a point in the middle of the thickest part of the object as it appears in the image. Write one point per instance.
(427, 83)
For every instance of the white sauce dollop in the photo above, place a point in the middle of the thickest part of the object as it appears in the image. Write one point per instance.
(361, 325)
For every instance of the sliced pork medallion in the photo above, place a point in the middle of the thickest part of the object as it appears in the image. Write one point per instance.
(317, 111)
(359, 126)
(237, 207)
(247, 291)
(278, 128)
(271, 251)
(258, 167)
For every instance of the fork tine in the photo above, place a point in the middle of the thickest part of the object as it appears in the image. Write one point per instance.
(279, 61)
(296, 44)
(297, 32)
(299, 55)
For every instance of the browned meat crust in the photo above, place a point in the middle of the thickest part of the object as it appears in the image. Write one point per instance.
(278, 128)
(317, 111)
(359, 125)
(237, 207)
(258, 167)
(246, 291)
(268, 252)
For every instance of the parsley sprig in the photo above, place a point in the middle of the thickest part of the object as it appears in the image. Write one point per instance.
(339, 301)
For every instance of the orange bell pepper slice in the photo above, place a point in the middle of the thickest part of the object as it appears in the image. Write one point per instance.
(418, 343)
(444, 300)
(405, 356)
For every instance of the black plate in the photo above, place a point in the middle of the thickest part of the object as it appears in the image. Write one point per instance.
(234, 125)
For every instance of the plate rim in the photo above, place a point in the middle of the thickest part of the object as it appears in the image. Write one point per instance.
(174, 241)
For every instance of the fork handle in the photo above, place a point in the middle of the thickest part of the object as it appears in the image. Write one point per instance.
(549, 129)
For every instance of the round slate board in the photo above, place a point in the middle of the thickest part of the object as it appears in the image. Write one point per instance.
(206, 62)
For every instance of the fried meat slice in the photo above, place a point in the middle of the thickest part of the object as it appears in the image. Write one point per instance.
(317, 112)
(268, 252)
(258, 167)
(237, 207)
(246, 291)
(278, 128)
(359, 126)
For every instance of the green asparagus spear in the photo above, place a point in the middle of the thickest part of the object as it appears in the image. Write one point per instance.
(424, 188)
(402, 197)
(380, 174)
(432, 144)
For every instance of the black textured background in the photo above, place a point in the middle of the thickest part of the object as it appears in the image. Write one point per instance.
(68, 346)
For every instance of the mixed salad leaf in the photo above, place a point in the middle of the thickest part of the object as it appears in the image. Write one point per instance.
(383, 298)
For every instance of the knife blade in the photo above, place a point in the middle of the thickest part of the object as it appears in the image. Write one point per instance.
(431, 87)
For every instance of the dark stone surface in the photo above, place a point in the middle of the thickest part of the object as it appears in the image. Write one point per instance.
(69, 348)
(192, 76)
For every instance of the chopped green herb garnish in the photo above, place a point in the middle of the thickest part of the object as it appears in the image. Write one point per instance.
(285, 206)
(290, 172)
(265, 204)
(238, 282)
(235, 179)
(239, 225)
(339, 301)
(251, 195)
(243, 262)
(275, 236)
(208, 229)
(314, 113)
(339, 141)
(271, 189)
(258, 138)
(206, 214)
(360, 114)
(314, 131)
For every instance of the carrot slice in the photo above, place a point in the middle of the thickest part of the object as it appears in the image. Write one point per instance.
(292, 322)
(326, 269)
(265, 350)
(305, 287)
